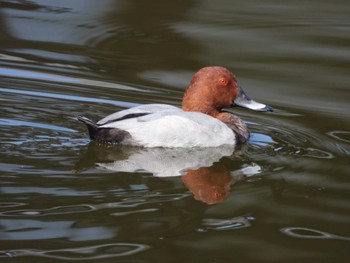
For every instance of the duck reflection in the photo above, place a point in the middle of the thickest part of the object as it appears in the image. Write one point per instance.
(203, 171)
(210, 185)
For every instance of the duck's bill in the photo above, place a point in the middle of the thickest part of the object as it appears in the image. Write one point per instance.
(244, 101)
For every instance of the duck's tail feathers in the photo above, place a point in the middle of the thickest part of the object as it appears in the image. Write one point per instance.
(91, 125)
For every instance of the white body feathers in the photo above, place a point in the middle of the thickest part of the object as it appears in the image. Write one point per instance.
(169, 126)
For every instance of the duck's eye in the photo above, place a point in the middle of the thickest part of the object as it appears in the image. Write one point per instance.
(223, 82)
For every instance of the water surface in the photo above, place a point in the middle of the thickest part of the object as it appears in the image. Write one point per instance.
(283, 197)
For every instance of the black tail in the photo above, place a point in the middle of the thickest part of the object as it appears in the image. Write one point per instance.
(91, 125)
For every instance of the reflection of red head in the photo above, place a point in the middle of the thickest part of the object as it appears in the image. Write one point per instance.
(210, 185)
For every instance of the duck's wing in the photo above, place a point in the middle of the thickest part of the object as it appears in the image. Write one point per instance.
(175, 128)
(134, 112)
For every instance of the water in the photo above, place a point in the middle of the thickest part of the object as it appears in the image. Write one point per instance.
(283, 197)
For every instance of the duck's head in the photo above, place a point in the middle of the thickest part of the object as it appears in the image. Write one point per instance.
(214, 88)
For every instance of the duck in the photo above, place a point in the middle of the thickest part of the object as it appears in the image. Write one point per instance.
(204, 119)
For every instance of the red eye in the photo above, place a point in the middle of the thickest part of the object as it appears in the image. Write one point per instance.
(223, 82)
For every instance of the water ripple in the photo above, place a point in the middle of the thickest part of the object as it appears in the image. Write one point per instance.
(130, 202)
(81, 253)
(29, 229)
(340, 135)
(226, 224)
(308, 233)
(70, 97)
(11, 122)
(10, 204)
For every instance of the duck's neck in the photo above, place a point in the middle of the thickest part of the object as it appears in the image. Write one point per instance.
(199, 104)
(206, 109)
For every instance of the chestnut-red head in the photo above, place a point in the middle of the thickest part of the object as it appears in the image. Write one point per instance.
(210, 90)
(214, 88)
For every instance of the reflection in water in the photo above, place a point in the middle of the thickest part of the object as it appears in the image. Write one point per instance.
(8, 205)
(117, 36)
(11, 122)
(308, 233)
(81, 253)
(342, 141)
(32, 6)
(146, 36)
(63, 58)
(340, 135)
(59, 210)
(126, 203)
(210, 185)
(202, 170)
(226, 224)
(26, 229)
(161, 162)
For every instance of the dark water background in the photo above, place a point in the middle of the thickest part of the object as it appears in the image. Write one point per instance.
(283, 197)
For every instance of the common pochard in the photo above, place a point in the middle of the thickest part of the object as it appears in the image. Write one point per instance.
(202, 121)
